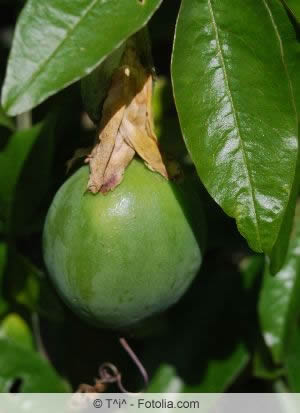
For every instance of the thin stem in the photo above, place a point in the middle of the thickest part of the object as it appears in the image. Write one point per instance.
(24, 121)
(109, 373)
(135, 359)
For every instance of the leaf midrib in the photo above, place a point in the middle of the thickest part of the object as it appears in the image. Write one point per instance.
(237, 127)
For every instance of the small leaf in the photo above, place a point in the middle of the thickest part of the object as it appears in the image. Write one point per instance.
(16, 330)
(166, 380)
(35, 373)
(60, 42)
(236, 106)
(280, 295)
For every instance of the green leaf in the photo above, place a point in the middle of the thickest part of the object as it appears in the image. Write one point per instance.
(35, 373)
(280, 296)
(166, 380)
(236, 107)
(15, 329)
(59, 42)
(294, 7)
(12, 160)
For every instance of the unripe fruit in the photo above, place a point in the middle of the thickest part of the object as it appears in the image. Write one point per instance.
(122, 257)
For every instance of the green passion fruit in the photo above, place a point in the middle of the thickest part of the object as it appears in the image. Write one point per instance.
(119, 258)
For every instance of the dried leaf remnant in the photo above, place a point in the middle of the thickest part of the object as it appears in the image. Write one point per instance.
(126, 126)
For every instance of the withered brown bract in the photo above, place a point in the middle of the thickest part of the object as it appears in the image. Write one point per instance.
(126, 126)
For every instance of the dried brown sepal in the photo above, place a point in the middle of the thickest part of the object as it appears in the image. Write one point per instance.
(126, 126)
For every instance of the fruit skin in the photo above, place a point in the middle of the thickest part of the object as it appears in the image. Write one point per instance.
(119, 258)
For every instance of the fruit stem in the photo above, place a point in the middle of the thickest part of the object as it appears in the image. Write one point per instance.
(24, 121)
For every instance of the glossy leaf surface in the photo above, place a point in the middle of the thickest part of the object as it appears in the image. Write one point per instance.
(237, 110)
(280, 297)
(59, 42)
